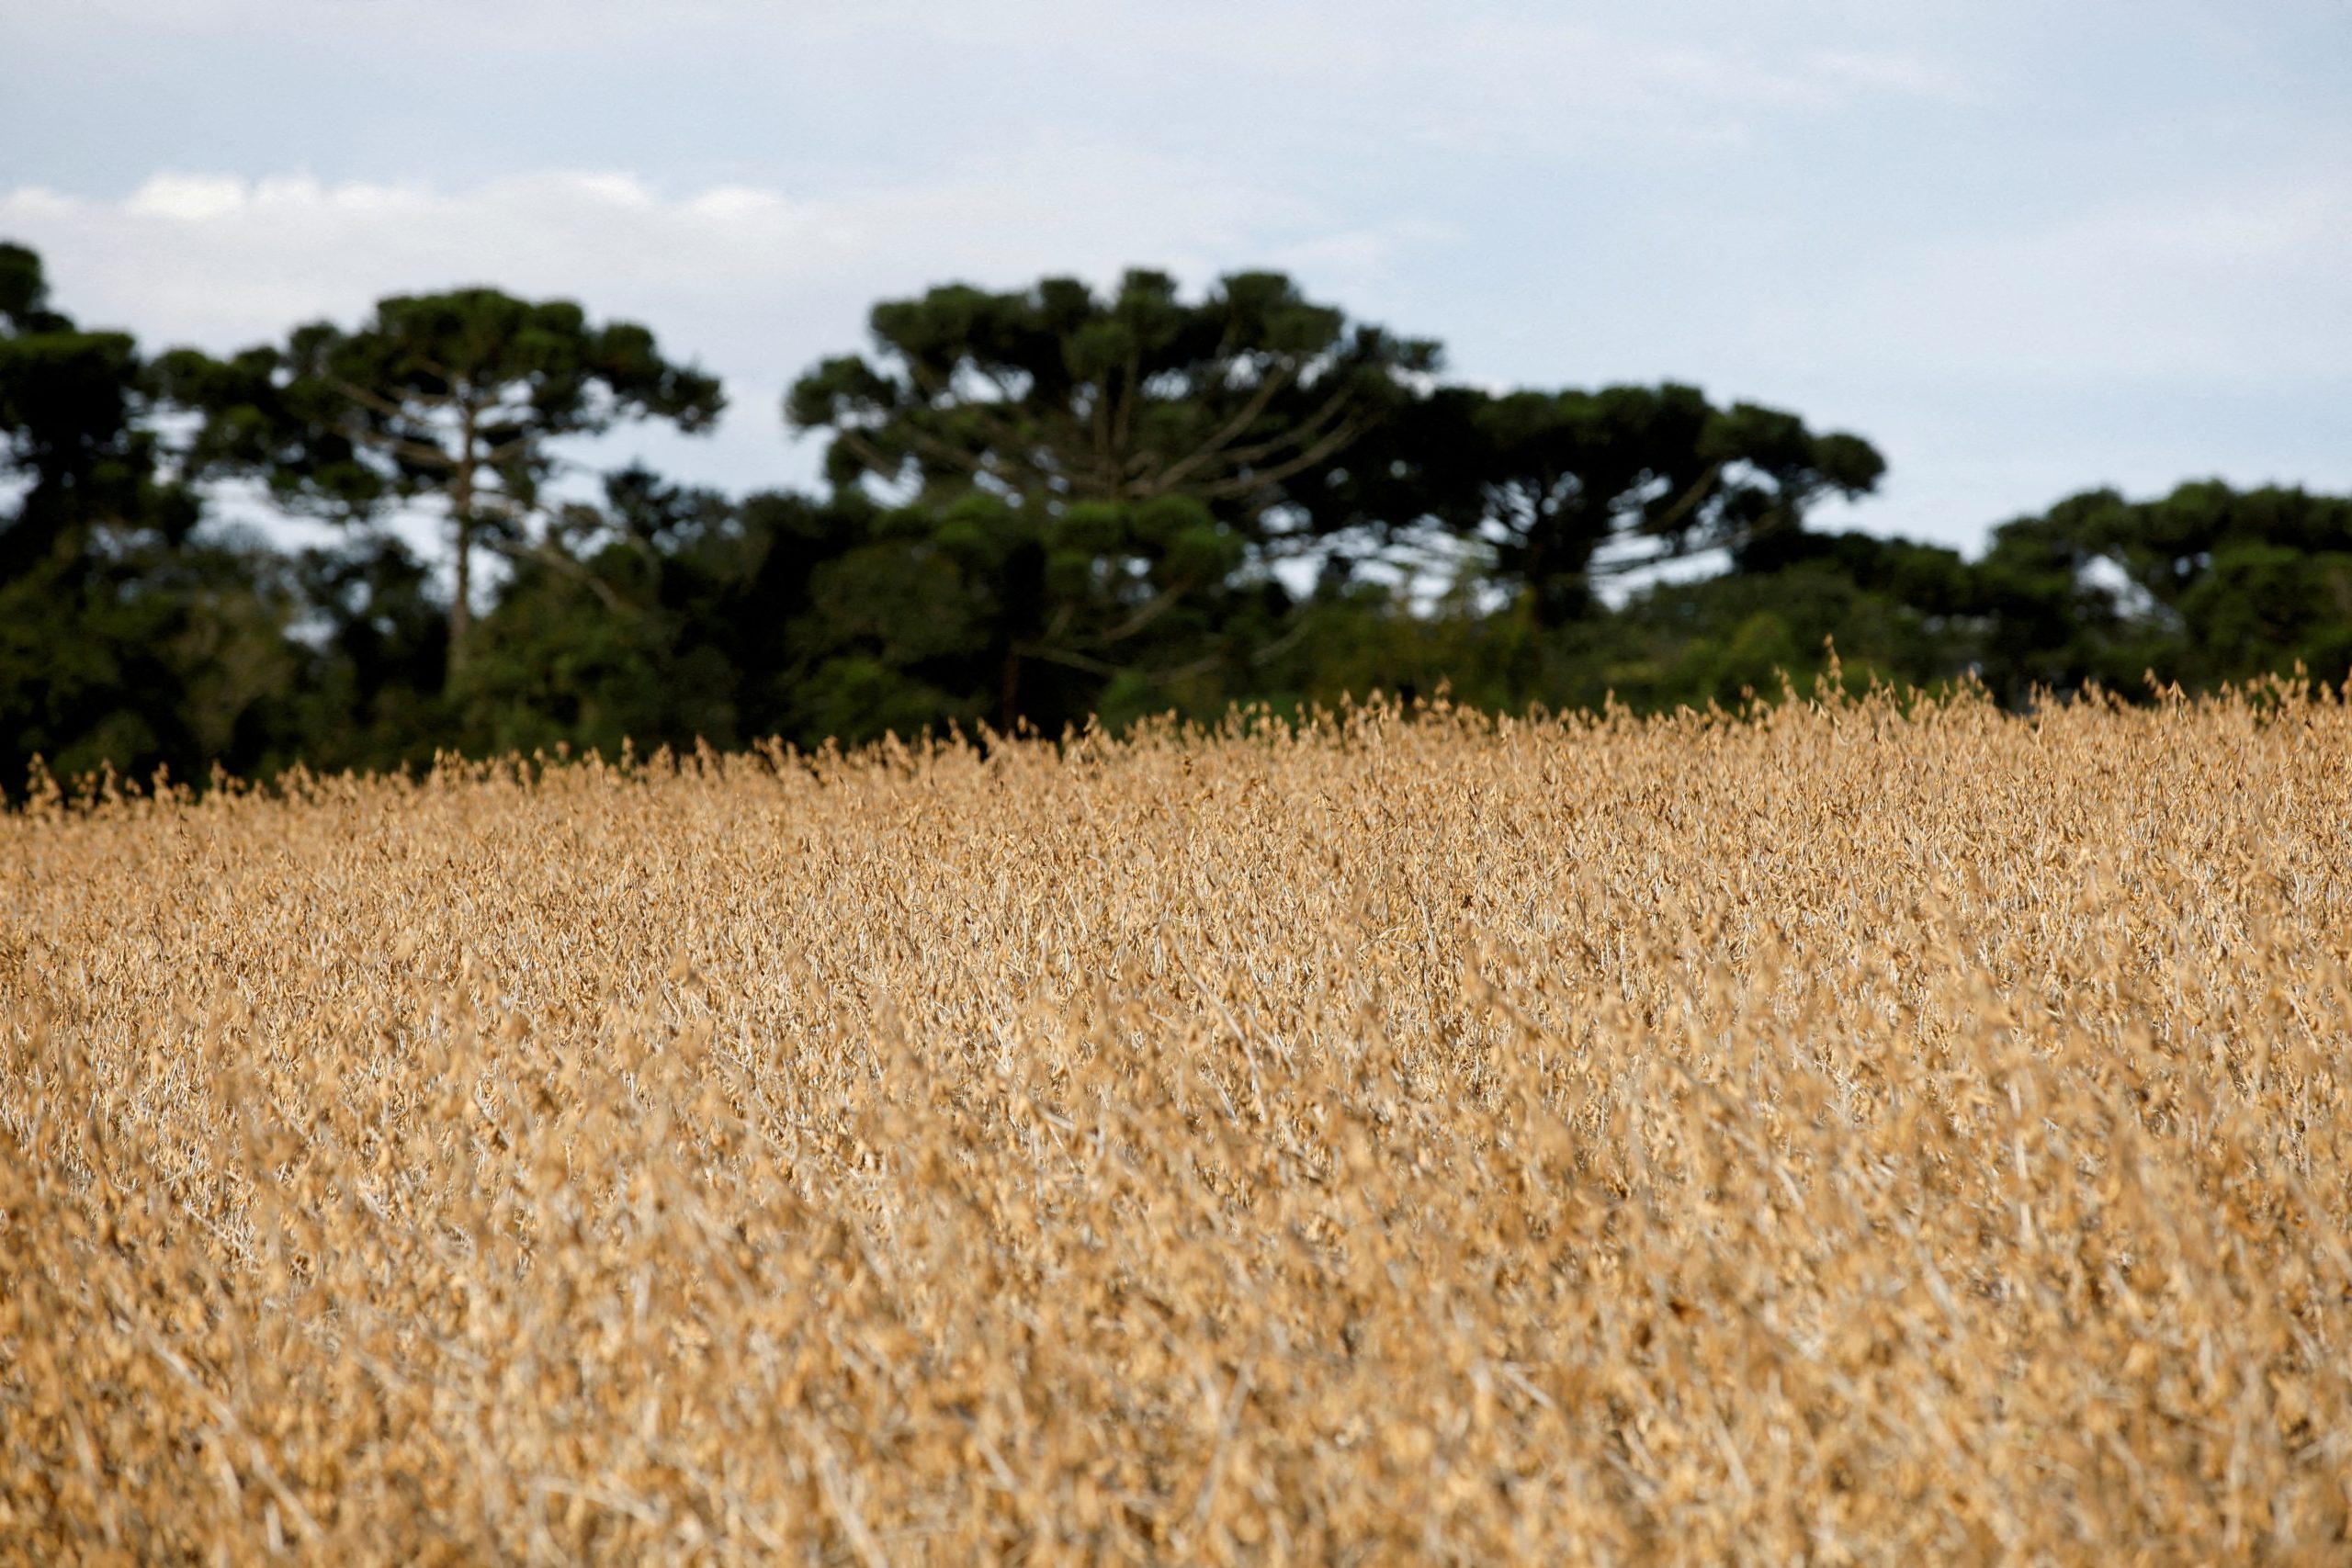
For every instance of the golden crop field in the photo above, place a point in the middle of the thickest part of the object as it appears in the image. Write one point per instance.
(1842, 1135)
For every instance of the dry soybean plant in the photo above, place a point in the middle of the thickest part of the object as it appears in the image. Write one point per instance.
(1845, 1133)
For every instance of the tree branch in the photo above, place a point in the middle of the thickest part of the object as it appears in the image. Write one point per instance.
(1122, 421)
(1689, 499)
(1003, 433)
(374, 401)
(980, 462)
(1242, 484)
(1299, 434)
(548, 555)
(1146, 613)
(1062, 655)
(1258, 400)
(1260, 658)
(418, 452)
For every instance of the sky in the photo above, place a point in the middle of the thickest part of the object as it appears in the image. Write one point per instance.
(2027, 248)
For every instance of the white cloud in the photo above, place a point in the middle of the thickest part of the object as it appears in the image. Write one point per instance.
(194, 197)
(1528, 83)
(217, 258)
(2250, 283)
(1896, 74)
(756, 284)
(1974, 233)
(1531, 77)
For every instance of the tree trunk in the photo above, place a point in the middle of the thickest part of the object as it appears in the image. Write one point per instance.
(461, 608)
(1010, 712)
(461, 517)
(1534, 562)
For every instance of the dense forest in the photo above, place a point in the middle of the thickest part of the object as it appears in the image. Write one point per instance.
(1039, 506)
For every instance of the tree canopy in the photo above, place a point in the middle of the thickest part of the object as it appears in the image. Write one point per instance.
(71, 437)
(1045, 506)
(1054, 395)
(123, 638)
(1564, 488)
(456, 397)
(1097, 459)
(2197, 586)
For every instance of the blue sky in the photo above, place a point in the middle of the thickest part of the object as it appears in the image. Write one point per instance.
(2026, 248)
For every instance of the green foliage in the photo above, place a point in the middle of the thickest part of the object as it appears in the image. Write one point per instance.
(123, 640)
(2205, 585)
(1055, 396)
(1052, 507)
(455, 397)
(154, 656)
(1727, 638)
(375, 649)
(71, 437)
(1551, 481)
(1100, 469)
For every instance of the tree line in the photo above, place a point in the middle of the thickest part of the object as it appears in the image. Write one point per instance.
(1040, 506)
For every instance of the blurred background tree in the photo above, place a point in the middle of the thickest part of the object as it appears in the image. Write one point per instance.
(2206, 584)
(1085, 463)
(457, 398)
(1563, 489)
(126, 639)
(1043, 506)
